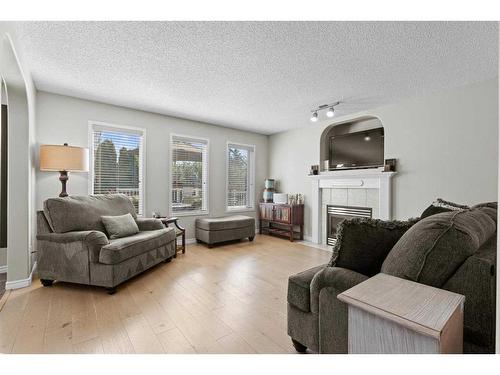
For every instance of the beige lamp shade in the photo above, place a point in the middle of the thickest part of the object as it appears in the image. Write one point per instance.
(64, 158)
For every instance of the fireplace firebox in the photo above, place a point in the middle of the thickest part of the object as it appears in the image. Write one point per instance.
(337, 214)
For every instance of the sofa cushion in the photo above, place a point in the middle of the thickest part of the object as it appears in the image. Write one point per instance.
(440, 206)
(78, 213)
(432, 250)
(362, 244)
(225, 223)
(121, 249)
(299, 292)
(490, 208)
(120, 226)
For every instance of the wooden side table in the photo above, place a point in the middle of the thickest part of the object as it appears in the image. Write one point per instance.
(391, 315)
(282, 220)
(179, 232)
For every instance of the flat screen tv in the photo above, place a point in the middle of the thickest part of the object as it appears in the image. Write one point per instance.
(364, 149)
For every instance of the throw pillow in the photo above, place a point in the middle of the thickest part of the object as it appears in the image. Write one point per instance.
(433, 249)
(440, 205)
(362, 244)
(120, 226)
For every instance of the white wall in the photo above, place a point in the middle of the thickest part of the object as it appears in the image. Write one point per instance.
(65, 119)
(446, 144)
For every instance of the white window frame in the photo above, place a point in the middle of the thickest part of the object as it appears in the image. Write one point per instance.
(142, 160)
(207, 176)
(251, 178)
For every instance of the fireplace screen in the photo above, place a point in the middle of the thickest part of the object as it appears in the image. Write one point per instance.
(337, 214)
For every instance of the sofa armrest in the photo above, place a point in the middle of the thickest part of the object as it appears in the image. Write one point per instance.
(339, 278)
(87, 235)
(476, 280)
(146, 224)
(92, 239)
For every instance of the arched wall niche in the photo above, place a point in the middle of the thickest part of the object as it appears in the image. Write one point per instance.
(345, 127)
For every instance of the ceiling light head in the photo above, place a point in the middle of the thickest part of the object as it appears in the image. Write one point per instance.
(330, 112)
(314, 117)
(367, 137)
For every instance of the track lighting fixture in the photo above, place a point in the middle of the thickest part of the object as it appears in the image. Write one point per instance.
(314, 117)
(329, 113)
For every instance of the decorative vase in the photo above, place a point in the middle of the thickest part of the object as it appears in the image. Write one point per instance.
(268, 191)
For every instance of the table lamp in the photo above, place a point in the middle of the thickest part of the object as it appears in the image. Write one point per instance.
(64, 159)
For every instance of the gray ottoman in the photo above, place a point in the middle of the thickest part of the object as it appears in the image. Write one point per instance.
(220, 229)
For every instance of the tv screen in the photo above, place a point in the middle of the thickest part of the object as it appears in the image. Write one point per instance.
(363, 149)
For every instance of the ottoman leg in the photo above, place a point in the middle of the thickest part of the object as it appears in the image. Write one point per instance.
(298, 346)
(46, 282)
(251, 238)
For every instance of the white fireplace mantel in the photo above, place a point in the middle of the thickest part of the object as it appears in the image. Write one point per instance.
(373, 178)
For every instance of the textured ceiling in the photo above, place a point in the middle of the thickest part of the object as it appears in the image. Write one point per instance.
(258, 76)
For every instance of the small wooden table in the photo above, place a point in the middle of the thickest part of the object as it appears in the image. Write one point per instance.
(281, 219)
(180, 232)
(391, 315)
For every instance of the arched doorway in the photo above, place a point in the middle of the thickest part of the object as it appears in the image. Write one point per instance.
(3, 185)
(18, 166)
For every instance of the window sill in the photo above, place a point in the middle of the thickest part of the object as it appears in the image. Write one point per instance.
(192, 213)
(242, 209)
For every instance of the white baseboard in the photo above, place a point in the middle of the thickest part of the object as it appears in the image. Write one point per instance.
(23, 283)
(190, 241)
(3, 269)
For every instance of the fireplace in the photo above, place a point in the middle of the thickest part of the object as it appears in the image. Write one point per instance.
(337, 214)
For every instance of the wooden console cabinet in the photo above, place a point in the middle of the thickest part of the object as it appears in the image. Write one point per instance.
(282, 219)
(391, 315)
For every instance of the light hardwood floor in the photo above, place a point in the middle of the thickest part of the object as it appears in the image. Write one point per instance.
(229, 299)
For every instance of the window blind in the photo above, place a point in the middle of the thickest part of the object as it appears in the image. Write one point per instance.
(189, 174)
(117, 163)
(239, 176)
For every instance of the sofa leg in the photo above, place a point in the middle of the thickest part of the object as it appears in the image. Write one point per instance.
(46, 282)
(168, 260)
(198, 241)
(210, 245)
(251, 238)
(111, 291)
(298, 346)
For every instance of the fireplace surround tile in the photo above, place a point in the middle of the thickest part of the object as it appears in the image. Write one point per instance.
(338, 196)
(372, 197)
(326, 196)
(356, 197)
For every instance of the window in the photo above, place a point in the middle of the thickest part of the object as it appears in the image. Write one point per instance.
(240, 176)
(189, 174)
(117, 162)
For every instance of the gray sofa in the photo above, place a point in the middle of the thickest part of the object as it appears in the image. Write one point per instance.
(454, 250)
(73, 245)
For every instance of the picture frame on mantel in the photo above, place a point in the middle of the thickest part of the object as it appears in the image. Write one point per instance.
(390, 165)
